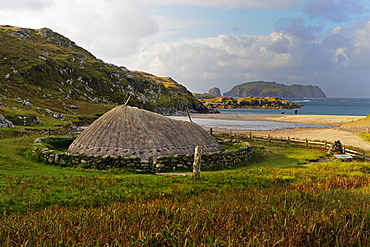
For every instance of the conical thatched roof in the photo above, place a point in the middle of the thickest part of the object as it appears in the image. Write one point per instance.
(129, 131)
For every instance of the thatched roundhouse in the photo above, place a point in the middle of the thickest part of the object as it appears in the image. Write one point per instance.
(129, 131)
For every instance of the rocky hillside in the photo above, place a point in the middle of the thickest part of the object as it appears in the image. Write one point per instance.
(224, 102)
(44, 73)
(273, 89)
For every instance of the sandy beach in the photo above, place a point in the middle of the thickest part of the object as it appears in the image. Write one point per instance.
(329, 134)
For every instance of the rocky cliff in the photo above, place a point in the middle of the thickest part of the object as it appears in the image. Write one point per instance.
(47, 71)
(273, 89)
(215, 92)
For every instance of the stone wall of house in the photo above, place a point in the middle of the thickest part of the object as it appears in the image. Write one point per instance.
(47, 155)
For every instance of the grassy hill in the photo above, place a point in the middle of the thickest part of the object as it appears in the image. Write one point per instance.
(44, 73)
(273, 89)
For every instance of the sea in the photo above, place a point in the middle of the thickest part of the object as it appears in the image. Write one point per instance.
(327, 106)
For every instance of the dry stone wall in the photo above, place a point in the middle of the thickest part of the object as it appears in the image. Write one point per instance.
(45, 153)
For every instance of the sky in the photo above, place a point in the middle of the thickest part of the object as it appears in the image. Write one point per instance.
(217, 43)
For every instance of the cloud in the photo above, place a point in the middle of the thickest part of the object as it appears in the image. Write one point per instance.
(234, 4)
(125, 32)
(294, 53)
(23, 4)
(333, 10)
(107, 28)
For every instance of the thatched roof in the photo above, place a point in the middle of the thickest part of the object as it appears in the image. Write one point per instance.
(129, 131)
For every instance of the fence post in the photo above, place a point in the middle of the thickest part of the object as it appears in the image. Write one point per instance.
(197, 161)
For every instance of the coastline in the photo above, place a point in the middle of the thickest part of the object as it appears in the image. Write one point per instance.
(333, 120)
(329, 134)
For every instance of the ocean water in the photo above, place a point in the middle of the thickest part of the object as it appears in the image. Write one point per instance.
(245, 125)
(328, 106)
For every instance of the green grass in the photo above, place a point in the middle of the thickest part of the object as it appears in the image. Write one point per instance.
(282, 155)
(365, 136)
(276, 198)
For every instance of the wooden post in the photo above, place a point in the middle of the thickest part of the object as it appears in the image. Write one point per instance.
(197, 161)
(187, 112)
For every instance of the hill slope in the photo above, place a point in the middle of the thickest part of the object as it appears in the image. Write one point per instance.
(44, 69)
(273, 89)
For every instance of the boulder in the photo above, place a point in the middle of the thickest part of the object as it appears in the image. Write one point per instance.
(5, 123)
(36, 120)
(336, 148)
(23, 119)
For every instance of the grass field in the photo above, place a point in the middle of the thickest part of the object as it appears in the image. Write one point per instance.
(278, 198)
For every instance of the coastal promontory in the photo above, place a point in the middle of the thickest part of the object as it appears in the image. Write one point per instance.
(273, 89)
(224, 102)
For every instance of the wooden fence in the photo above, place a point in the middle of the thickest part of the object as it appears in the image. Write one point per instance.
(353, 151)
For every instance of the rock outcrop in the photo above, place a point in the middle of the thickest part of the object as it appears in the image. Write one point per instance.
(249, 102)
(5, 123)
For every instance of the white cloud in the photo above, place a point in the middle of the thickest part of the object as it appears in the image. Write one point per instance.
(295, 54)
(107, 28)
(23, 4)
(234, 4)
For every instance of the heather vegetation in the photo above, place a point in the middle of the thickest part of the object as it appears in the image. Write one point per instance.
(281, 197)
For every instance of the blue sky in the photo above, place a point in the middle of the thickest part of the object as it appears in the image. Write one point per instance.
(206, 22)
(202, 44)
